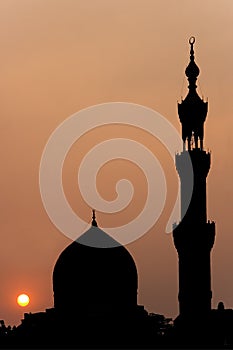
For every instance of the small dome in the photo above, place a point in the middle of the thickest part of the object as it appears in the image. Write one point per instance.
(192, 70)
(87, 277)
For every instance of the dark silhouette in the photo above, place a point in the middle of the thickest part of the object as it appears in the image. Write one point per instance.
(194, 237)
(95, 287)
(95, 279)
(197, 324)
(87, 279)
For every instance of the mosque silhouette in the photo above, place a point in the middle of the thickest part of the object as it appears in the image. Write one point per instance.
(95, 289)
(95, 280)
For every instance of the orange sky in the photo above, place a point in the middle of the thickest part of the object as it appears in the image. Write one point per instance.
(60, 56)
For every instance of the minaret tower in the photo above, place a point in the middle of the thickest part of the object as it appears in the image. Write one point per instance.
(194, 236)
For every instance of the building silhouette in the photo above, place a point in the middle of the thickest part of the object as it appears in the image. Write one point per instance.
(95, 284)
(95, 281)
(93, 277)
(194, 236)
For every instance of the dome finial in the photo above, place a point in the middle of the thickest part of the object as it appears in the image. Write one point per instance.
(94, 223)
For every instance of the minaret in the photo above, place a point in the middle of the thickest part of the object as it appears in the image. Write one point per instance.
(194, 236)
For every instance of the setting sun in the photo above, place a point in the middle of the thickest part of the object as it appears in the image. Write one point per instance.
(23, 300)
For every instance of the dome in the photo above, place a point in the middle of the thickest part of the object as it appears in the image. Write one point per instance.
(89, 278)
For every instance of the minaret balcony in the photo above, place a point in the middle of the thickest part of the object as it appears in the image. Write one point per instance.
(199, 237)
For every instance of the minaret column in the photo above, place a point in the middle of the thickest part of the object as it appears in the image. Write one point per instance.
(194, 236)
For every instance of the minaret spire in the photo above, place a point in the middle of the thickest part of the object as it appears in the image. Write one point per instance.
(192, 110)
(192, 71)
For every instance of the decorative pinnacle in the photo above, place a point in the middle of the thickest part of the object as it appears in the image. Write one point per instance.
(94, 223)
(191, 42)
(192, 71)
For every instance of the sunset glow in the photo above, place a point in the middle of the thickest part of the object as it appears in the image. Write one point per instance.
(60, 57)
(23, 300)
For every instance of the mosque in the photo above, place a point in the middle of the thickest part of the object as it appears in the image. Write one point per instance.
(95, 285)
(95, 289)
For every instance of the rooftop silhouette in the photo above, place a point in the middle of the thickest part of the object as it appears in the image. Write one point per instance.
(95, 280)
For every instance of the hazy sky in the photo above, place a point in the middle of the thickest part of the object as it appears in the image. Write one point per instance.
(60, 56)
